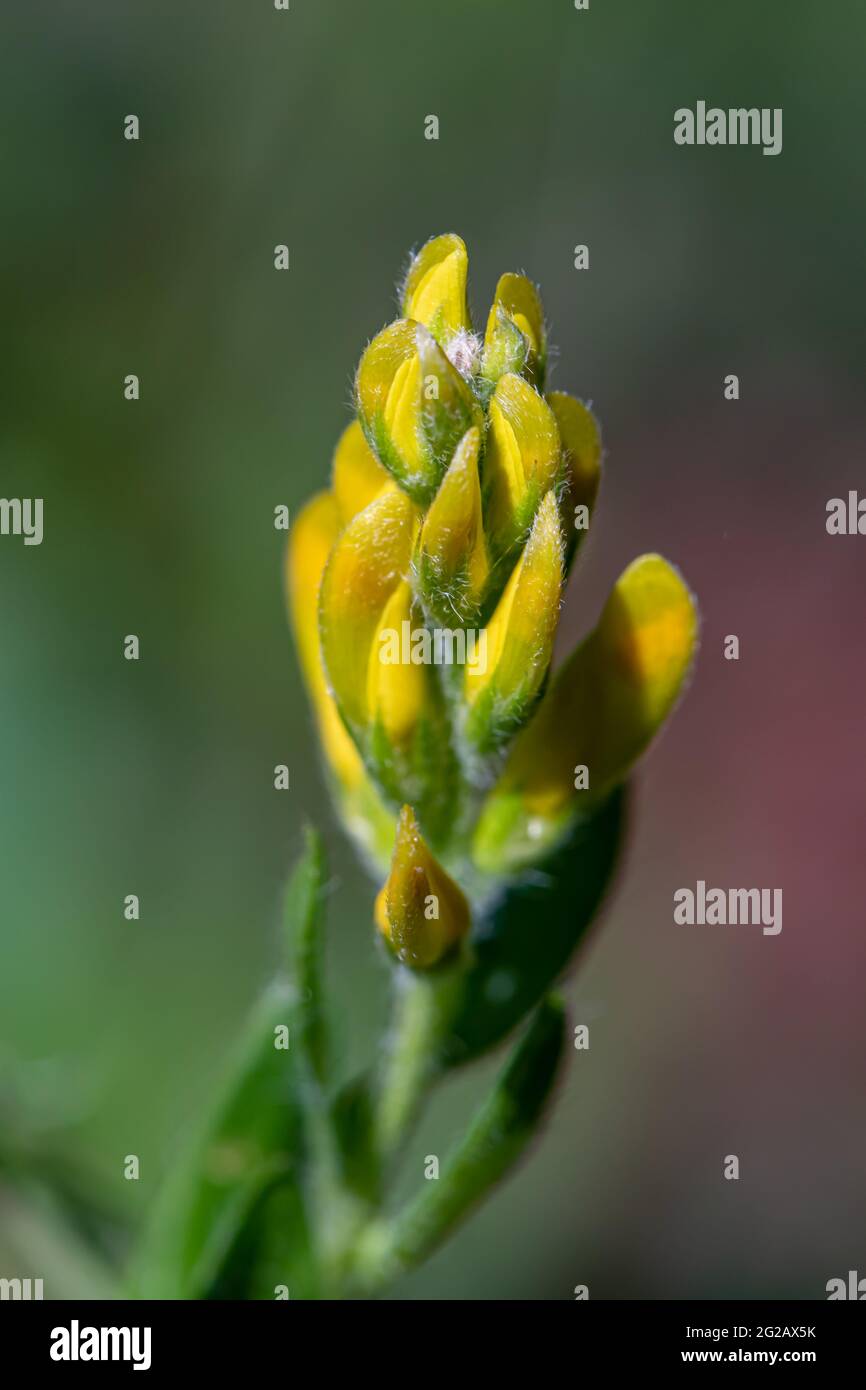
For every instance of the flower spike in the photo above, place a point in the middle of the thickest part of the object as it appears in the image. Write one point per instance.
(460, 495)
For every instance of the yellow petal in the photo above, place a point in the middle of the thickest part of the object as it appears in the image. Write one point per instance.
(367, 563)
(435, 290)
(380, 363)
(420, 911)
(517, 298)
(358, 477)
(389, 401)
(310, 541)
(402, 415)
(600, 712)
(523, 457)
(581, 446)
(452, 562)
(505, 675)
(387, 359)
(395, 688)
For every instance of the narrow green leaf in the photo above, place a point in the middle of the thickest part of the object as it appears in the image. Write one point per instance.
(269, 1256)
(238, 1187)
(252, 1137)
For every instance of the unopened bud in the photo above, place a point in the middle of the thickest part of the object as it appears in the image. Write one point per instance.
(420, 911)
(504, 678)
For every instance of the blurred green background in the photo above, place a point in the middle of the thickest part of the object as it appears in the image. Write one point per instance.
(156, 778)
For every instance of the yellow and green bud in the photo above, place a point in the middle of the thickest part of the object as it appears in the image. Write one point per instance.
(414, 406)
(598, 716)
(369, 626)
(516, 337)
(522, 462)
(420, 911)
(507, 672)
(312, 538)
(505, 348)
(367, 563)
(434, 292)
(452, 564)
(581, 451)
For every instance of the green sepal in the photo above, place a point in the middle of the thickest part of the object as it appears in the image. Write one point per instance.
(423, 774)
(506, 350)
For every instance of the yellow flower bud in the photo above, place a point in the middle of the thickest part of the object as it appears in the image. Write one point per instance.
(435, 290)
(452, 562)
(581, 448)
(523, 458)
(420, 911)
(506, 673)
(367, 563)
(601, 710)
(357, 476)
(517, 302)
(414, 406)
(310, 541)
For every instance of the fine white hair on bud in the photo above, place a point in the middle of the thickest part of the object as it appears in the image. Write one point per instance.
(464, 353)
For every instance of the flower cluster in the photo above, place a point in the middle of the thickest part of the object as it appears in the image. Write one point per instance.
(459, 496)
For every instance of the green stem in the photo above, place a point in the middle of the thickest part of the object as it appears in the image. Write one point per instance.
(494, 1142)
(337, 1215)
(410, 1065)
(411, 1060)
(303, 913)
